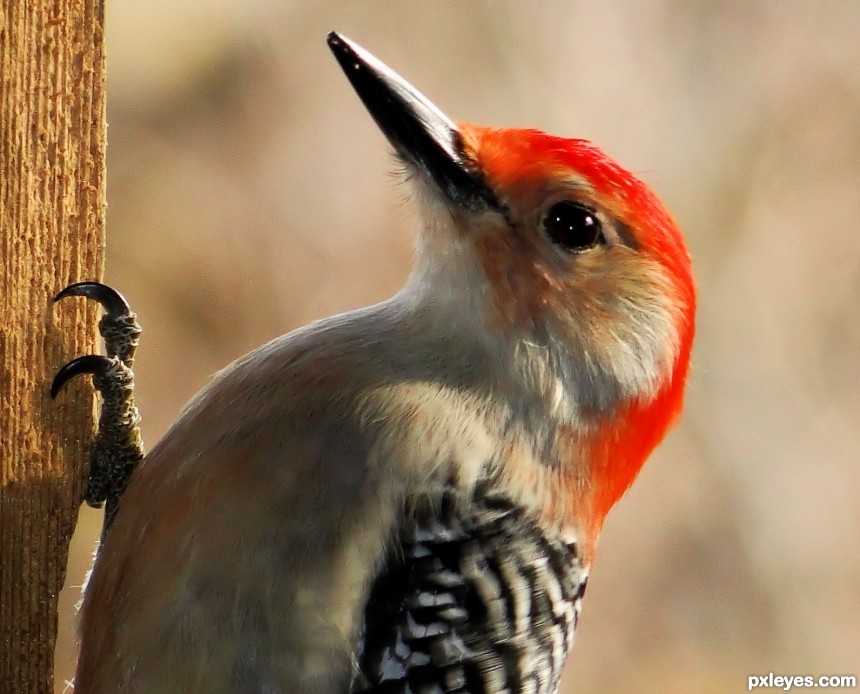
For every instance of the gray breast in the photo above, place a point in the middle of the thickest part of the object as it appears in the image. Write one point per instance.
(473, 598)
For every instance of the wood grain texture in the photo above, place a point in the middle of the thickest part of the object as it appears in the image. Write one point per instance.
(52, 210)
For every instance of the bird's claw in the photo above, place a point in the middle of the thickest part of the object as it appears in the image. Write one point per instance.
(95, 364)
(118, 445)
(118, 327)
(112, 301)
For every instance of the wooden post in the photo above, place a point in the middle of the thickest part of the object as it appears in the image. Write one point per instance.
(52, 206)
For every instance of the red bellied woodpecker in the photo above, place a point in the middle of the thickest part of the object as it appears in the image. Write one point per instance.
(404, 498)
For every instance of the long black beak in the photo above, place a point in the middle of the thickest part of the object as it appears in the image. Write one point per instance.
(420, 133)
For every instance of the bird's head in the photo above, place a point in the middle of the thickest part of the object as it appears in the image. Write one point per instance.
(563, 258)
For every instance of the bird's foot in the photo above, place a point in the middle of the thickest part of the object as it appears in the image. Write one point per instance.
(118, 446)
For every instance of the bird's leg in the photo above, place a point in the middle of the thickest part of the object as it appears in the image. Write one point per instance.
(118, 446)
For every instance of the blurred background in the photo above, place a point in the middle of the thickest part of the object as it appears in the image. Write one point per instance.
(249, 193)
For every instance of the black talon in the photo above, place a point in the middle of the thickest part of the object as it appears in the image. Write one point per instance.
(88, 364)
(114, 302)
(119, 326)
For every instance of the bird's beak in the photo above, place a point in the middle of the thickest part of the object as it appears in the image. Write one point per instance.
(420, 133)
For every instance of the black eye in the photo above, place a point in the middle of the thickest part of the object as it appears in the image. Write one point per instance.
(572, 226)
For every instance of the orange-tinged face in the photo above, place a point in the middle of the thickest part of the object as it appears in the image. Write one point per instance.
(531, 170)
(624, 304)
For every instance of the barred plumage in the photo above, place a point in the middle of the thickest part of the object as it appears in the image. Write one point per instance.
(474, 597)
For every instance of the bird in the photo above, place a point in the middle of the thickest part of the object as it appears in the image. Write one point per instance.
(406, 497)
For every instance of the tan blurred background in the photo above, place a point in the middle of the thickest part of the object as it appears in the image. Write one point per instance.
(249, 193)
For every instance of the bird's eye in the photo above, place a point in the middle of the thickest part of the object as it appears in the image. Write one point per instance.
(573, 226)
